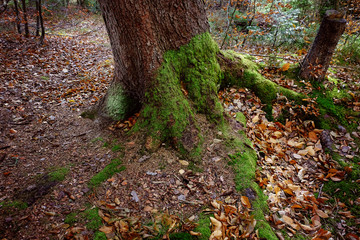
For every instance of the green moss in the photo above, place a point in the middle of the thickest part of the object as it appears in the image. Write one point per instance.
(243, 163)
(242, 72)
(59, 174)
(186, 84)
(94, 221)
(346, 190)
(203, 227)
(71, 218)
(100, 236)
(119, 105)
(240, 117)
(117, 148)
(181, 236)
(90, 114)
(112, 168)
(331, 79)
(8, 205)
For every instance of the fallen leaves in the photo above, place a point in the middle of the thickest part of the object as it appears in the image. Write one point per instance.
(232, 222)
(294, 164)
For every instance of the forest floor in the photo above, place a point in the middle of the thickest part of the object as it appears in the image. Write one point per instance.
(63, 176)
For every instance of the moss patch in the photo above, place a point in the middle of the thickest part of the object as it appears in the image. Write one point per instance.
(240, 117)
(11, 205)
(186, 84)
(94, 221)
(239, 71)
(113, 167)
(119, 105)
(58, 174)
(100, 236)
(71, 218)
(203, 227)
(243, 162)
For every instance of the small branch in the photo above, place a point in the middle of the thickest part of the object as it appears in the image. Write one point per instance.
(229, 23)
(260, 55)
(320, 191)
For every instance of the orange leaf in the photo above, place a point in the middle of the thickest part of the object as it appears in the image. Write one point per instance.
(245, 201)
(296, 206)
(285, 67)
(313, 136)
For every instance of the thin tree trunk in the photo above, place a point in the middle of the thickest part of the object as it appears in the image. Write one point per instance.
(317, 61)
(17, 16)
(37, 19)
(26, 24)
(41, 22)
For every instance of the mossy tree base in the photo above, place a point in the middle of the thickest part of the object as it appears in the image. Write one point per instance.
(187, 84)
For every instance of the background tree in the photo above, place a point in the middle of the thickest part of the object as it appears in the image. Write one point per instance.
(318, 59)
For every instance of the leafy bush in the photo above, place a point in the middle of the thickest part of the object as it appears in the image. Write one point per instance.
(350, 51)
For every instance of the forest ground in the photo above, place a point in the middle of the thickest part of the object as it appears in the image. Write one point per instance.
(64, 176)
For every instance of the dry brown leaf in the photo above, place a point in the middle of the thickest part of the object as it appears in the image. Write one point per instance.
(303, 152)
(306, 228)
(313, 136)
(255, 119)
(195, 233)
(106, 229)
(147, 209)
(311, 150)
(216, 235)
(288, 220)
(321, 213)
(335, 179)
(245, 201)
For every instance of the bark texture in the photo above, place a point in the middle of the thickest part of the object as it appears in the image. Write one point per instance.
(318, 59)
(141, 31)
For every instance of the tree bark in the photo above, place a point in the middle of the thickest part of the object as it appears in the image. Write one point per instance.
(26, 24)
(37, 19)
(42, 37)
(17, 16)
(141, 31)
(317, 61)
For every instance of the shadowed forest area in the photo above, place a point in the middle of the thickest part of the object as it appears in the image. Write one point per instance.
(277, 157)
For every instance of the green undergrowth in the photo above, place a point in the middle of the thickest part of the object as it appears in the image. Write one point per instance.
(347, 190)
(58, 174)
(203, 227)
(10, 206)
(90, 217)
(113, 167)
(100, 236)
(243, 162)
(333, 114)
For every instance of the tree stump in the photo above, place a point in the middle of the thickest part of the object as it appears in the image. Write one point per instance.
(317, 61)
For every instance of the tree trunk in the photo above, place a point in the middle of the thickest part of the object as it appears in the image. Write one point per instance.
(26, 24)
(37, 19)
(41, 22)
(140, 35)
(316, 62)
(17, 16)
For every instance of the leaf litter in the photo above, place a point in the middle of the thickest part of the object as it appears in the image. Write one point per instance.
(69, 72)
